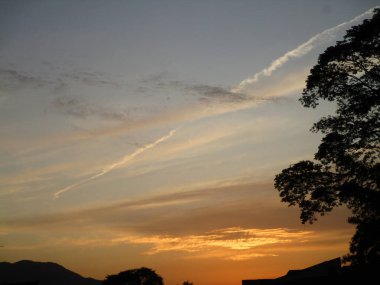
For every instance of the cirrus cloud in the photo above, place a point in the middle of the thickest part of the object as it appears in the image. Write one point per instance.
(237, 243)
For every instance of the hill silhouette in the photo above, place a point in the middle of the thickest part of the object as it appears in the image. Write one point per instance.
(47, 273)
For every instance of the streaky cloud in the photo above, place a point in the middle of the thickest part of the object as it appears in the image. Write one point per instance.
(227, 241)
(218, 100)
(14, 78)
(17, 77)
(151, 205)
(123, 161)
(301, 50)
(208, 93)
(79, 108)
(240, 101)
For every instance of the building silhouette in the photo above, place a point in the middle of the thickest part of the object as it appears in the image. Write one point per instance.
(327, 273)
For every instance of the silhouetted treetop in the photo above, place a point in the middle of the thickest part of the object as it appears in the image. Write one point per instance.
(141, 276)
(346, 169)
(349, 74)
(351, 65)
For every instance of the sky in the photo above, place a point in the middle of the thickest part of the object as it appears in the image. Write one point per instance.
(149, 133)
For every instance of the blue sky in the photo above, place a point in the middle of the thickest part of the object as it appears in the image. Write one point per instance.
(148, 133)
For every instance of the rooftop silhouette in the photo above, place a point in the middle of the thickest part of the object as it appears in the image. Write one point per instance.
(328, 272)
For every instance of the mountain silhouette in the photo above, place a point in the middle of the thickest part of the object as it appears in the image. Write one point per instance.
(46, 273)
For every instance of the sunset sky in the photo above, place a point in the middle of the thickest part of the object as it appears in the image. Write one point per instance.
(148, 133)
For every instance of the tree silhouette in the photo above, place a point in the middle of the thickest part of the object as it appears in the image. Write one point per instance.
(346, 167)
(141, 276)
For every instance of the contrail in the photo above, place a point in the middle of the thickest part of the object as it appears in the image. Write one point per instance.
(301, 50)
(116, 164)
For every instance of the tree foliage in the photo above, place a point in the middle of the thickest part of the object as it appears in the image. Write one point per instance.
(346, 167)
(141, 276)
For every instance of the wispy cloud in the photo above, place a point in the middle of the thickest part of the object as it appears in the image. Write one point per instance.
(17, 77)
(303, 49)
(228, 100)
(208, 93)
(157, 210)
(233, 222)
(79, 108)
(233, 241)
(120, 163)
(204, 92)
(90, 78)
(234, 244)
(229, 238)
